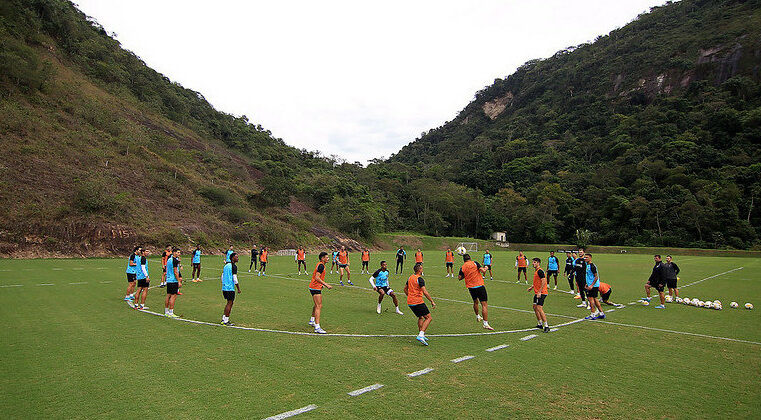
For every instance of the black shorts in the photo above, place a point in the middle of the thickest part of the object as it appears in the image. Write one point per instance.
(386, 289)
(420, 310)
(658, 286)
(593, 292)
(131, 277)
(196, 265)
(478, 293)
(315, 291)
(343, 265)
(229, 295)
(163, 269)
(605, 296)
(568, 270)
(488, 266)
(172, 288)
(143, 283)
(449, 265)
(365, 263)
(301, 262)
(671, 283)
(521, 269)
(551, 272)
(539, 301)
(262, 264)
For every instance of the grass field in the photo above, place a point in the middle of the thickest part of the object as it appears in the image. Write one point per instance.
(72, 348)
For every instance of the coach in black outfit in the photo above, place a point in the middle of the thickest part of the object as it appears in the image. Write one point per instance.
(658, 280)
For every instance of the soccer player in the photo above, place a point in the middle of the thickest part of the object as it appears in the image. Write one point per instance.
(229, 284)
(471, 272)
(301, 259)
(173, 282)
(540, 294)
(605, 291)
(670, 273)
(449, 260)
(415, 290)
(334, 260)
(552, 268)
(254, 259)
(228, 253)
(487, 263)
(379, 282)
(580, 274)
(315, 288)
(131, 274)
(569, 269)
(658, 281)
(592, 289)
(521, 261)
(343, 264)
(164, 257)
(401, 255)
(263, 254)
(143, 281)
(196, 275)
(365, 261)
(419, 256)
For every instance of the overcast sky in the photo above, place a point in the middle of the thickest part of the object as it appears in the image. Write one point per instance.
(358, 79)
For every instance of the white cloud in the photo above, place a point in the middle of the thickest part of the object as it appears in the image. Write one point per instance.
(354, 78)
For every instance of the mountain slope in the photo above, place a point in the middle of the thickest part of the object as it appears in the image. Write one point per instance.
(651, 135)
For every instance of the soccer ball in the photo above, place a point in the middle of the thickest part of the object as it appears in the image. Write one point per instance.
(695, 301)
(669, 299)
(708, 304)
(686, 301)
(748, 306)
(716, 303)
(679, 300)
(717, 307)
(733, 305)
(645, 303)
(461, 250)
(700, 304)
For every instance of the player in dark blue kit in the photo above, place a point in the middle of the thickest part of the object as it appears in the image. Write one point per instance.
(569, 259)
(379, 283)
(401, 255)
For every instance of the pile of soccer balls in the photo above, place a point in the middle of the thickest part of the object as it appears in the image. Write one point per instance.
(716, 304)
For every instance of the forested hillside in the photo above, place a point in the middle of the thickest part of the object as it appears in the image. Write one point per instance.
(651, 135)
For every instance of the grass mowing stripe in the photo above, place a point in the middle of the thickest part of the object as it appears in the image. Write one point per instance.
(292, 413)
(420, 372)
(365, 389)
(462, 359)
(711, 277)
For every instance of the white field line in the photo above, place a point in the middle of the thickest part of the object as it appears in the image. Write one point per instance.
(57, 269)
(736, 340)
(420, 372)
(365, 389)
(78, 268)
(462, 359)
(12, 285)
(499, 347)
(524, 284)
(46, 284)
(610, 310)
(78, 282)
(292, 413)
(105, 282)
(528, 337)
(711, 277)
(553, 329)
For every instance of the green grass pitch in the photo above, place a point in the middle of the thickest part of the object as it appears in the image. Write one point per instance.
(71, 348)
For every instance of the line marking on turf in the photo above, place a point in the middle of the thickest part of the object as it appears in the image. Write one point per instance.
(632, 303)
(46, 284)
(104, 282)
(12, 285)
(737, 340)
(78, 282)
(78, 268)
(528, 337)
(57, 269)
(711, 277)
(420, 372)
(553, 329)
(499, 347)
(365, 389)
(610, 310)
(292, 413)
(462, 359)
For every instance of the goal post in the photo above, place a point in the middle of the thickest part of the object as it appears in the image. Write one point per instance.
(469, 246)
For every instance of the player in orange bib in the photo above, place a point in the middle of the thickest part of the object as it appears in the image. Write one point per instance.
(540, 293)
(415, 290)
(472, 272)
(301, 256)
(521, 261)
(605, 292)
(365, 261)
(343, 264)
(449, 260)
(315, 288)
(419, 256)
(263, 261)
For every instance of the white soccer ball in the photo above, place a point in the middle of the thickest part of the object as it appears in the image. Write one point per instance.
(686, 301)
(748, 305)
(461, 250)
(679, 300)
(700, 304)
(669, 299)
(717, 307)
(708, 304)
(645, 303)
(733, 305)
(695, 301)
(716, 302)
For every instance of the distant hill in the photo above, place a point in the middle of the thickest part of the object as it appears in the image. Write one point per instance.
(651, 135)
(100, 152)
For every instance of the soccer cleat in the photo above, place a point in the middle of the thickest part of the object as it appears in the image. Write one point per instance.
(378, 309)
(311, 323)
(590, 317)
(131, 304)
(546, 329)
(491, 278)
(601, 316)
(488, 327)
(127, 298)
(578, 296)
(399, 312)
(660, 307)
(249, 271)
(645, 299)
(320, 331)
(171, 316)
(350, 283)
(227, 324)
(342, 283)
(479, 318)
(422, 340)
(143, 308)
(162, 284)
(555, 288)
(581, 305)
(538, 326)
